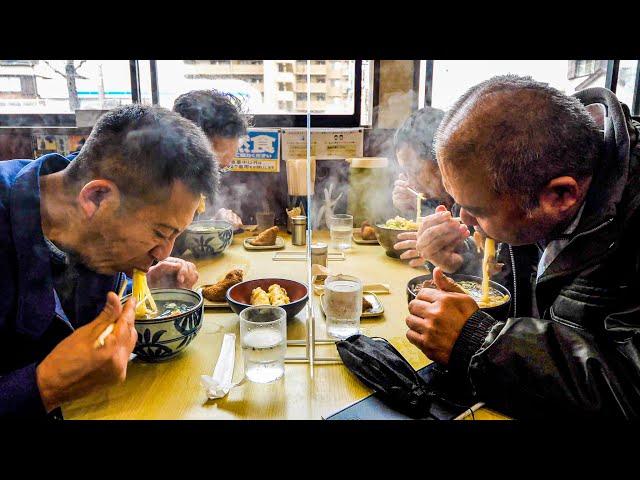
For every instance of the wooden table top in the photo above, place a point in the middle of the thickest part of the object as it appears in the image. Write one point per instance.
(172, 390)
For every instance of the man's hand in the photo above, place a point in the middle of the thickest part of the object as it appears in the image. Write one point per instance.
(75, 367)
(438, 240)
(172, 273)
(402, 198)
(229, 216)
(437, 317)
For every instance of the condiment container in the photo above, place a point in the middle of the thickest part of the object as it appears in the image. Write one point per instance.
(319, 253)
(299, 233)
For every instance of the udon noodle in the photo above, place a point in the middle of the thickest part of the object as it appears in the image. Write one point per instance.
(487, 260)
(145, 305)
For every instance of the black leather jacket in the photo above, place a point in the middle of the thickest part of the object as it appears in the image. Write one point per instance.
(582, 356)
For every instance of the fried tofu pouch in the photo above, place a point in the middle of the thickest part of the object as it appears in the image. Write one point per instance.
(278, 295)
(259, 297)
(266, 238)
(217, 292)
(366, 305)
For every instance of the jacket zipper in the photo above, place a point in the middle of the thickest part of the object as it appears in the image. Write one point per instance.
(513, 273)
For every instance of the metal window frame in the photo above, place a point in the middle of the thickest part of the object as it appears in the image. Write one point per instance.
(319, 120)
(273, 121)
(635, 107)
(611, 82)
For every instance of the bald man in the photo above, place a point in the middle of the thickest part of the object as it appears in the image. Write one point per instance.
(526, 165)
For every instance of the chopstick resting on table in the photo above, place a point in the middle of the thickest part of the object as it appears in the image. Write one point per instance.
(107, 331)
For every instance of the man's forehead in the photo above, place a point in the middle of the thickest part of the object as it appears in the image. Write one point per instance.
(177, 209)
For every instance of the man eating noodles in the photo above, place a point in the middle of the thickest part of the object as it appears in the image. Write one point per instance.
(70, 231)
(529, 168)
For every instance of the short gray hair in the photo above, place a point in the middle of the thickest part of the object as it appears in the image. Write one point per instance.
(526, 133)
(143, 149)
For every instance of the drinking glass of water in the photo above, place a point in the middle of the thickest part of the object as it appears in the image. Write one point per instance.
(341, 230)
(263, 336)
(342, 305)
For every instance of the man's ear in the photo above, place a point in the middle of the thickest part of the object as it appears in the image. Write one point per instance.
(99, 195)
(560, 195)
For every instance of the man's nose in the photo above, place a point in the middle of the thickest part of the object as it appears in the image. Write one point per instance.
(163, 250)
(467, 218)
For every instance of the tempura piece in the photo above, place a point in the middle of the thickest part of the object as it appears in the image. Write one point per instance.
(217, 292)
(259, 297)
(367, 232)
(294, 212)
(145, 305)
(266, 238)
(278, 295)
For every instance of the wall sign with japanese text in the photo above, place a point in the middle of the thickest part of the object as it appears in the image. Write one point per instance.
(259, 151)
(326, 143)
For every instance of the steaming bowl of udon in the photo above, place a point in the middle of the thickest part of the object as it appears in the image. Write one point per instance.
(176, 324)
(261, 292)
(387, 234)
(207, 238)
(499, 296)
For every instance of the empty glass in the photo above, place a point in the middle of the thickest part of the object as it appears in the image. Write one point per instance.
(341, 230)
(263, 337)
(342, 305)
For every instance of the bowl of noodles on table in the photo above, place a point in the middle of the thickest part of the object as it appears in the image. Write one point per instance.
(167, 319)
(497, 304)
(387, 233)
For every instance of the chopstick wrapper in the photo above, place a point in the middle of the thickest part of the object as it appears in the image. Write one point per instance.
(220, 383)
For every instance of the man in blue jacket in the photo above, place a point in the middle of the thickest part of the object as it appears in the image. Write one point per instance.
(70, 231)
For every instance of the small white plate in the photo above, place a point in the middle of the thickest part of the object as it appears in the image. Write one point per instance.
(357, 238)
(375, 311)
(209, 303)
(278, 245)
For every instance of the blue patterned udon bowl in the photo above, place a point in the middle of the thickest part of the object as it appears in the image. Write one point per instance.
(163, 338)
(206, 238)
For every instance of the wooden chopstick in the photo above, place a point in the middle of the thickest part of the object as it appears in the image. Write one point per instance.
(107, 331)
(414, 192)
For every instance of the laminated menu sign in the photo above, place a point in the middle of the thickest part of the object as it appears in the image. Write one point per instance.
(258, 152)
(325, 143)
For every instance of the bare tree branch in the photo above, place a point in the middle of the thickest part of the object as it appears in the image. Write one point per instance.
(55, 70)
(80, 64)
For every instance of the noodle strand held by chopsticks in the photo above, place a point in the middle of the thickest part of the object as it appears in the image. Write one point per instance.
(419, 198)
(145, 305)
(489, 256)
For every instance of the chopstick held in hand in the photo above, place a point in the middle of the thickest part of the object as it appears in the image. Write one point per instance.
(107, 331)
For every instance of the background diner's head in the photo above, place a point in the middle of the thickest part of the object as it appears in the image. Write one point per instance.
(136, 184)
(219, 115)
(413, 145)
(518, 156)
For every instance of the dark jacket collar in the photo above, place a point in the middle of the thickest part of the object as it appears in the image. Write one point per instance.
(599, 225)
(36, 301)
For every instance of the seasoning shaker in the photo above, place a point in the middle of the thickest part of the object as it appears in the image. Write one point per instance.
(299, 234)
(319, 253)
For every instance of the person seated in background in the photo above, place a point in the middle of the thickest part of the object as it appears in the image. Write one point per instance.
(71, 231)
(528, 167)
(220, 116)
(413, 143)
(419, 171)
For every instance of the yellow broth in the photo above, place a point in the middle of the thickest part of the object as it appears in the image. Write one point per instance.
(474, 290)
